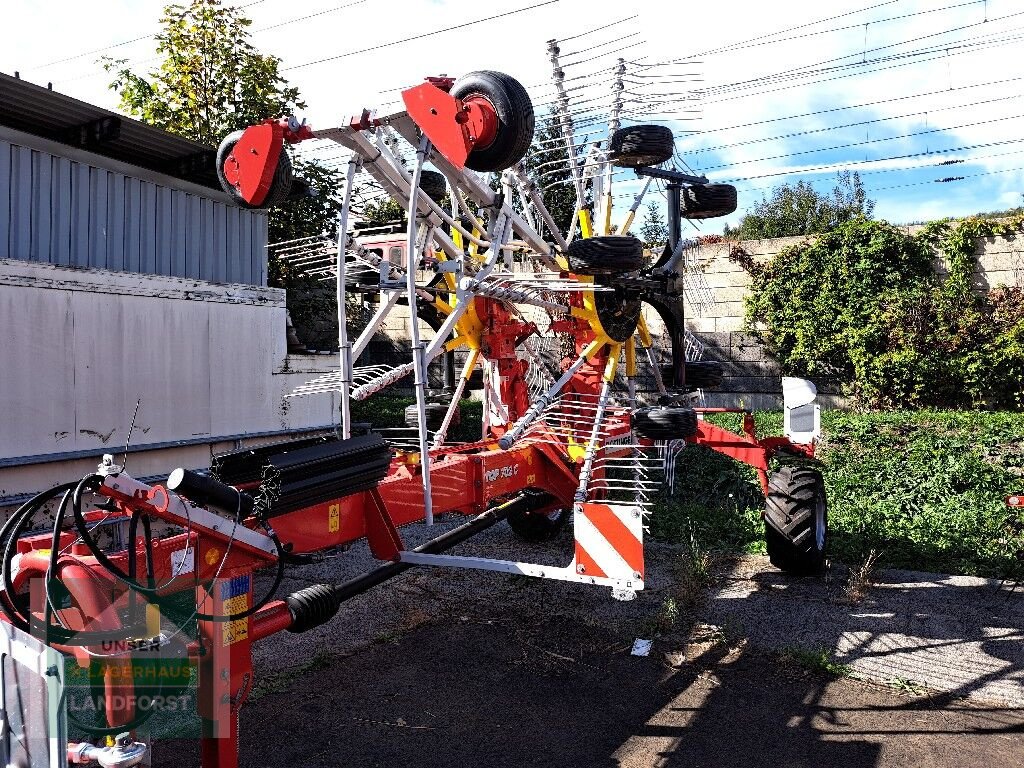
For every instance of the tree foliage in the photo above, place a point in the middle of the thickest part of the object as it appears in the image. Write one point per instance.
(548, 165)
(865, 304)
(654, 232)
(799, 209)
(210, 80)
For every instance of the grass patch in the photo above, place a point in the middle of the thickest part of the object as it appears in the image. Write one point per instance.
(925, 490)
(389, 411)
(816, 660)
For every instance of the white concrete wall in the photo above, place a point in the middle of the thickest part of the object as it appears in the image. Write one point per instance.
(80, 347)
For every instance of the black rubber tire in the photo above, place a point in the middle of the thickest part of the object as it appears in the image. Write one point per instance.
(707, 201)
(608, 255)
(433, 185)
(641, 145)
(666, 423)
(280, 186)
(700, 374)
(435, 416)
(796, 520)
(515, 118)
(538, 526)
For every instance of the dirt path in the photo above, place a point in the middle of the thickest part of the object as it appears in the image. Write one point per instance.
(467, 669)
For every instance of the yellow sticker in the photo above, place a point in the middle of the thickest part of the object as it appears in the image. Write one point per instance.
(212, 556)
(531, 480)
(334, 518)
(239, 629)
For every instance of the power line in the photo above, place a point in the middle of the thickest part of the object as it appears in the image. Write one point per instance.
(903, 169)
(853, 125)
(459, 28)
(861, 106)
(118, 45)
(806, 69)
(840, 165)
(956, 51)
(960, 178)
(869, 141)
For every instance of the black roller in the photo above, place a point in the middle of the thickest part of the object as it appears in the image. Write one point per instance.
(203, 489)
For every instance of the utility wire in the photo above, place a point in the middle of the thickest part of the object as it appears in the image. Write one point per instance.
(459, 28)
(853, 125)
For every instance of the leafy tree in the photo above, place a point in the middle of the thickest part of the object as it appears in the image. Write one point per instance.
(799, 209)
(548, 165)
(210, 81)
(654, 232)
(383, 211)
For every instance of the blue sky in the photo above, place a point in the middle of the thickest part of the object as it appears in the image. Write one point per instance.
(769, 86)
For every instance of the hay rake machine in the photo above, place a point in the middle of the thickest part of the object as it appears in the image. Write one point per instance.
(570, 444)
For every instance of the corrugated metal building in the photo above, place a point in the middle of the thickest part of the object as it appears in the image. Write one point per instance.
(127, 276)
(83, 187)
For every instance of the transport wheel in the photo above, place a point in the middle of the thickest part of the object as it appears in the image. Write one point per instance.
(435, 416)
(280, 186)
(433, 185)
(665, 423)
(513, 133)
(608, 255)
(707, 201)
(700, 374)
(796, 520)
(539, 525)
(640, 145)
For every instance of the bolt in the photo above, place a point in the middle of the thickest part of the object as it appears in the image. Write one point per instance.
(581, 568)
(433, 111)
(51, 671)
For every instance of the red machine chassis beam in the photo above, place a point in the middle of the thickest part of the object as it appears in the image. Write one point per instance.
(746, 446)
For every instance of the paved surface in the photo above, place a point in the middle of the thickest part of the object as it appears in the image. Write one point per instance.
(458, 668)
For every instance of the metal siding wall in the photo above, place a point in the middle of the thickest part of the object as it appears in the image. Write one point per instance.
(21, 202)
(163, 230)
(245, 248)
(97, 207)
(5, 200)
(39, 246)
(80, 197)
(68, 213)
(193, 236)
(132, 225)
(179, 233)
(147, 228)
(60, 218)
(115, 222)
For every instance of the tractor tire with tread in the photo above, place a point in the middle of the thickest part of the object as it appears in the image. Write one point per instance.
(641, 145)
(707, 201)
(280, 185)
(796, 520)
(516, 121)
(665, 423)
(608, 255)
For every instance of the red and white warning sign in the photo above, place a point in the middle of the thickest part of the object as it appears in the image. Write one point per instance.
(609, 541)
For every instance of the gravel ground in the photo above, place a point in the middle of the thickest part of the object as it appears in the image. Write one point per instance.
(463, 668)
